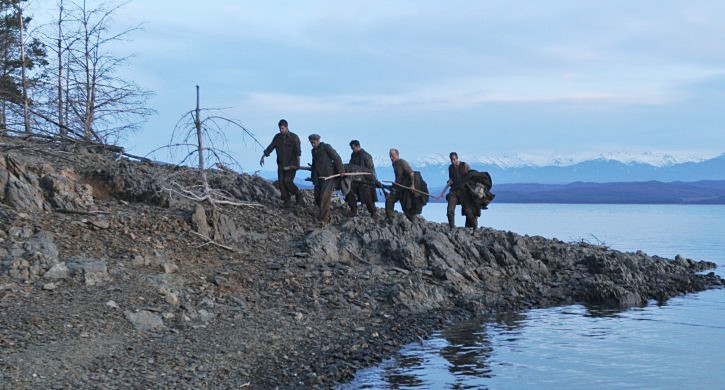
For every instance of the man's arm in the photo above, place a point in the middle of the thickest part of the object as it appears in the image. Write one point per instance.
(270, 148)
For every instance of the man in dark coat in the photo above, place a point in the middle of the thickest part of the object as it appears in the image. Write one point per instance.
(325, 163)
(457, 195)
(404, 176)
(287, 146)
(362, 188)
(470, 189)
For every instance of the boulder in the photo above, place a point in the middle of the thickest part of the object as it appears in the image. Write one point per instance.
(199, 222)
(58, 271)
(144, 320)
(94, 272)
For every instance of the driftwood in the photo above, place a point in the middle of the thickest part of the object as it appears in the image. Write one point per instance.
(212, 242)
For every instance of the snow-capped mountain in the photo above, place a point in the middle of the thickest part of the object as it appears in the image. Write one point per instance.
(657, 159)
(560, 169)
(604, 167)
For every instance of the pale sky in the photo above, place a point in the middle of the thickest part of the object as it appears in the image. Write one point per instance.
(429, 77)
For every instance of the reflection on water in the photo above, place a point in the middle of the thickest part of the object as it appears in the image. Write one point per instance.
(680, 344)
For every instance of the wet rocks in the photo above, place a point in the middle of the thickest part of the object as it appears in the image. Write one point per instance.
(519, 269)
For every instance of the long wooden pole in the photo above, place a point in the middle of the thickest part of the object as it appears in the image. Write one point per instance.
(346, 174)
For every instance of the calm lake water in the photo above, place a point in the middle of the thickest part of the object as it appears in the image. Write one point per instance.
(680, 345)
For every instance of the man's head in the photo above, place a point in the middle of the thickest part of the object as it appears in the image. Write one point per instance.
(283, 128)
(454, 158)
(355, 145)
(394, 155)
(314, 140)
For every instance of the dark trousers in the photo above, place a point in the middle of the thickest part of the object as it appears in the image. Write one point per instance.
(390, 199)
(323, 197)
(364, 193)
(285, 181)
(454, 200)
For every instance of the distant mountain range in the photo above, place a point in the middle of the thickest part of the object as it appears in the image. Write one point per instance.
(651, 192)
(602, 169)
(655, 178)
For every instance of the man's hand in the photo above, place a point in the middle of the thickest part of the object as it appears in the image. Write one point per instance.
(261, 161)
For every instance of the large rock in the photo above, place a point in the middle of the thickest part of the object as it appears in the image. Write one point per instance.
(144, 320)
(32, 188)
(29, 258)
(58, 271)
(64, 190)
(94, 272)
(199, 222)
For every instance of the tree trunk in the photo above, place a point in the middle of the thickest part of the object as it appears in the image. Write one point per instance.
(88, 120)
(26, 117)
(61, 126)
(200, 141)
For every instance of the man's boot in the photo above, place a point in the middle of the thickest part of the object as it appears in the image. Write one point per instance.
(451, 222)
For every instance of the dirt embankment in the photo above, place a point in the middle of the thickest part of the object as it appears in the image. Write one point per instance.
(106, 279)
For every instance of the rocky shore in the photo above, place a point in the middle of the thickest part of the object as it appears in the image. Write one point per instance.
(108, 279)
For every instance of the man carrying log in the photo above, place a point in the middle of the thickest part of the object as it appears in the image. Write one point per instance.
(287, 146)
(363, 187)
(456, 196)
(408, 188)
(468, 188)
(327, 169)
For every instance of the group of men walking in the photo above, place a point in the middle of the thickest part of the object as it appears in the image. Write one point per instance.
(358, 182)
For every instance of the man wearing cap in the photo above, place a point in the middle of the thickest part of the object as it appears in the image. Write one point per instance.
(287, 146)
(363, 188)
(325, 163)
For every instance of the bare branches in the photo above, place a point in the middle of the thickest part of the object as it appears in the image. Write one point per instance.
(203, 138)
(88, 98)
(212, 242)
(201, 194)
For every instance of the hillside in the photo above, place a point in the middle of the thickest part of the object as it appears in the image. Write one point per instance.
(110, 279)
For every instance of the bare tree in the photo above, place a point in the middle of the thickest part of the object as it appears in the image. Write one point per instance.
(204, 138)
(101, 104)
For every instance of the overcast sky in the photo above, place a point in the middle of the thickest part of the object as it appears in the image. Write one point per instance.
(429, 77)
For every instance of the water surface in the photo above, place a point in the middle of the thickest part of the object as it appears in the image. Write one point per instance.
(680, 344)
